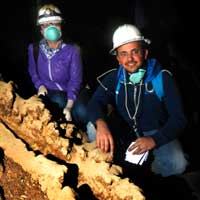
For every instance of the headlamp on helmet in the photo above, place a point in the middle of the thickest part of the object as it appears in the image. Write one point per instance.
(49, 14)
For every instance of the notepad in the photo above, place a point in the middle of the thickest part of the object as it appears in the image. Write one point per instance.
(135, 159)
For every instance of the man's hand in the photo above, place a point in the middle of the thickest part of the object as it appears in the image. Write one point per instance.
(142, 145)
(104, 139)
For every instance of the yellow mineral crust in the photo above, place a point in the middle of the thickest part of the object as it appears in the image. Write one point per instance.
(48, 173)
(31, 121)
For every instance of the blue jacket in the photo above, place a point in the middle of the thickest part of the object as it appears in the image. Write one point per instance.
(61, 72)
(166, 116)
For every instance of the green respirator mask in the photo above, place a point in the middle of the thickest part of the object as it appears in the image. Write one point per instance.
(137, 76)
(52, 33)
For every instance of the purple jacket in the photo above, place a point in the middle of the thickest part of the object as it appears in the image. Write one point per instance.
(62, 72)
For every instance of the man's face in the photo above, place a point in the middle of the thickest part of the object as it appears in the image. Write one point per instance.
(131, 56)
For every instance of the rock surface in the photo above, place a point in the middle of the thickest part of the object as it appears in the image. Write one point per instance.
(54, 166)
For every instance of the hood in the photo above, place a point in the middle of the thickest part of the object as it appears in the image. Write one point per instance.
(153, 68)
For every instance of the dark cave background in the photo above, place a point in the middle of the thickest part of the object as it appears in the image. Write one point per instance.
(170, 25)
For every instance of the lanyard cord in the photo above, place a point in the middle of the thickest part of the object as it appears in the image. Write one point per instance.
(136, 102)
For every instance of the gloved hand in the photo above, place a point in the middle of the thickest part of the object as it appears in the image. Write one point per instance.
(42, 90)
(67, 110)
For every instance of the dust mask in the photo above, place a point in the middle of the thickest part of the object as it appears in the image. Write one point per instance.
(52, 33)
(137, 76)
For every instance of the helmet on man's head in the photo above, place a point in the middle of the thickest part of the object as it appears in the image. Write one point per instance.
(49, 13)
(125, 34)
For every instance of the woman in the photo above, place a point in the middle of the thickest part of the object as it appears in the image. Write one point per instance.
(57, 70)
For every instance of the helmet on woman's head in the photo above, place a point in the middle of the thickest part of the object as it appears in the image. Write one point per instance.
(125, 34)
(49, 13)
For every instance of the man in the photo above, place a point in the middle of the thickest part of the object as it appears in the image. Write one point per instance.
(156, 123)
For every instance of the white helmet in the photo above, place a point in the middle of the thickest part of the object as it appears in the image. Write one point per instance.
(49, 13)
(125, 34)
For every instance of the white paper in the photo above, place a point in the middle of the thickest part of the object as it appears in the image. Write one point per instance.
(135, 159)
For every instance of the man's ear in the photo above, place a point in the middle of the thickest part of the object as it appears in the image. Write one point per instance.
(118, 59)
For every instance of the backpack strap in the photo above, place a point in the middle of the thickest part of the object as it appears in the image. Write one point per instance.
(157, 83)
(120, 77)
(35, 51)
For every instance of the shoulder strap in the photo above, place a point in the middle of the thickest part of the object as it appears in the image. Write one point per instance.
(157, 83)
(35, 51)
